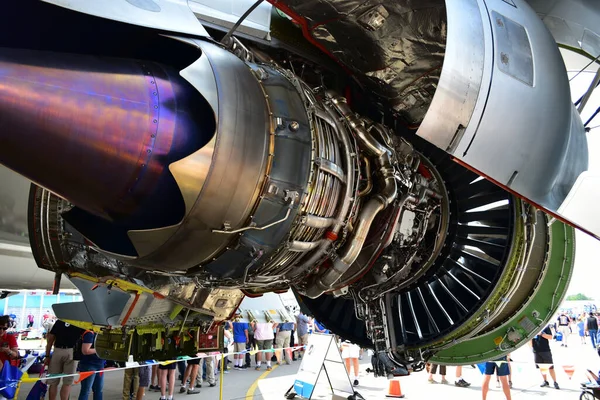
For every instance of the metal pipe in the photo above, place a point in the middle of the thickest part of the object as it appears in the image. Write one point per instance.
(370, 145)
(298, 246)
(368, 213)
(347, 151)
(329, 115)
(314, 221)
(225, 39)
(365, 220)
(258, 228)
(367, 190)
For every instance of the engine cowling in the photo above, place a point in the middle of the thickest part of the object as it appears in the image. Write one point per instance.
(206, 171)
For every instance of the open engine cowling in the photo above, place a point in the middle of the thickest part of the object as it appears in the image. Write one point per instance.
(205, 171)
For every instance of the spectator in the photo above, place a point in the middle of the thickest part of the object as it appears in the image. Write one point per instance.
(9, 350)
(591, 327)
(250, 346)
(12, 322)
(154, 379)
(135, 382)
(64, 338)
(460, 382)
(282, 341)
(131, 383)
(543, 355)
(293, 342)
(240, 340)
(166, 373)
(208, 364)
(263, 334)
(350, 355)
(563, 327)
(181, 369)
(47, 321)
(145, 375)
(581, 329)
(191, 373)
(433, 370)
(227, 343)
(302, 326)
(90, 362)
(508, 360)
(500, 367)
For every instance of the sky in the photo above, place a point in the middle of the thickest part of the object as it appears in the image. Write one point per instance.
(585, 278)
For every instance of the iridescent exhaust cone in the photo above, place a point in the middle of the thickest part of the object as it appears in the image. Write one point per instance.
(100, 132)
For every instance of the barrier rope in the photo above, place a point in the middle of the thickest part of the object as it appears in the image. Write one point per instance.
(80, 376)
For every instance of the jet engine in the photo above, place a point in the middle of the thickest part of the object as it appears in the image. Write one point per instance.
(201, 171)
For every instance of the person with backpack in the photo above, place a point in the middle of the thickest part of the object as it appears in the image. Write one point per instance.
(63, 337)
(591, 326)
(564, 322)
(90, 362)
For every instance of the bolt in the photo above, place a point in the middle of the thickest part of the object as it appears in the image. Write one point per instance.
(261, 74)
(294, 126)
(279, 122)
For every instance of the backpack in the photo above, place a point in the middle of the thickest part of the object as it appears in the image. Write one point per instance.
(78, 345)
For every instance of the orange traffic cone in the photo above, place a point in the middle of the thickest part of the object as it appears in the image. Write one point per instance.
(394, 389)
(569, 370)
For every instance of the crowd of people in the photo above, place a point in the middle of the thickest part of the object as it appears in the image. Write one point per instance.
(70, 349)
(585, 325)
(254, 345)
(244, 339)
(561, 330)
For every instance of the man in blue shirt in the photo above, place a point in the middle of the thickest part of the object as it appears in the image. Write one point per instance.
(240, 338)
(303, 322)
(282, 341)
(91, 362)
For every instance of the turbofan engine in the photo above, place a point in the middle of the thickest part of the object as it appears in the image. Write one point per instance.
(203, 171)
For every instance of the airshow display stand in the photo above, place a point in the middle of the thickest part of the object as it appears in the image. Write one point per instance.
(322, 355)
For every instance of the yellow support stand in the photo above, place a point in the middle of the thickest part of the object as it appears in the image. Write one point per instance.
(222, 374)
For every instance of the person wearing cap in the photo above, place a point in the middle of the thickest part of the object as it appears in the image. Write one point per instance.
(282, 341)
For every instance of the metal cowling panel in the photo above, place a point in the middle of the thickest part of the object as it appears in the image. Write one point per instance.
(395, 48)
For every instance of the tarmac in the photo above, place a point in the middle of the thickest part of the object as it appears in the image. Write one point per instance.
(271, 385)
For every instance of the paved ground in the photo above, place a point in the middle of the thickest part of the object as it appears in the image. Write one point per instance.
(270, 386)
